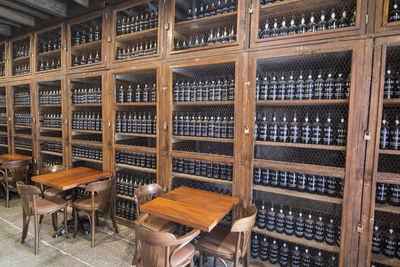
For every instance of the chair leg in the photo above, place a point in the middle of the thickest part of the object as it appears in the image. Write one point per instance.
(76, 221)
(36, 234)
(215, 261)
(54, 220)
(7, 194)
(113, 220)
(25, 222)
(97, 218)
(191, 261)
(93, 224)
(41, 219)
(200, 258)
(136, 256)
(65, 222)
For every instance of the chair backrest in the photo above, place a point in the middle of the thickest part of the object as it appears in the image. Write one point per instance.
(103, 190)
(28, 196)
(18, 170)
(52, 169)
(146, 193)
(243, 227)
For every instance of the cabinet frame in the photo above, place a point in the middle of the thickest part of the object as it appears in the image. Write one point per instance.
(6, 61)
(381, 25)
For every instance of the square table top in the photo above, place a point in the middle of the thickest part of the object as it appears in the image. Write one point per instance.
(71, 178)
(12, 157)
(199, 209)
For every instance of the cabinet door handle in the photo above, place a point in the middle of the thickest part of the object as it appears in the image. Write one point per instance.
(109, 124)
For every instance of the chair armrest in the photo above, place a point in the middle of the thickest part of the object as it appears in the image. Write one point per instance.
(141, 218)
(2, 172)
(183, 241)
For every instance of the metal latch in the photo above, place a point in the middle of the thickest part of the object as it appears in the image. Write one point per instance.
(165, 125)
(109, 124)
(109, 38)
(367, 136)
(250, 9)
(246, 129)
(166, 26)
(360, 228)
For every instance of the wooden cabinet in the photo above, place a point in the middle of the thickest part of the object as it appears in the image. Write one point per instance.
(21, 56)
(4, 60)
(50, 50)
(387, 20)
(4, 122)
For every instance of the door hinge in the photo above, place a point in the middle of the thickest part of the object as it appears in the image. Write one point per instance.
(360, 228)
(250, 9)
(366, 19)
(367, 136)
(109, 39)
(166, 26)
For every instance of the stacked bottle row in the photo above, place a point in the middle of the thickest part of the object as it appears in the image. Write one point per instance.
(131, 122)
(137, 49)
(142, 160)
(81, 59)
(267, 2)
(87, 152)
(21, 50)
(287, 254)
(387, 243)
(300, 89)
(3, 118)
(313, 23)
(3, 140)
(127, 182)
(49, 96)
(22, 98)
(390, 135)
(50, 45)
(141, 22)
(87, 95)
(126, 209)
(142, 94)
(2, 72)
(88, 138)
(23, 143)
(286, 223)
(52, 120)
(51, 162)
(313, 184)
(214, 8)
(21, 69)
(3, 100)
(90, 121)
(216, 89)
(52, 147)
(83, 37)
(210, 187)
(2, 53)
(215, 37)
(208, 169)
(22, 118)
(49, 64)
(203, 125)
(394, 11)
(391, 87)
(307, 133)
(388, 193)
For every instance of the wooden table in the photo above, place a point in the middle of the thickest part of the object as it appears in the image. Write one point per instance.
(199, 209)
(71, 178)
(14, 157)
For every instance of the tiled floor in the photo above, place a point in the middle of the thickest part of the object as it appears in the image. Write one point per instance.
(110, 249)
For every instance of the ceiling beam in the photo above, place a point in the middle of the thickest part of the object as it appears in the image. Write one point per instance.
(5, 30)
(84, 3)
(16, 16)
(24, 9)
(52, 7)
(5, 21)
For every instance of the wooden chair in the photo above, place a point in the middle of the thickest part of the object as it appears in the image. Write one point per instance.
(164, 249)
(231, 245)
(13, 171)
(41, 207)
(53, 192)
(100, 200)
(142, 195)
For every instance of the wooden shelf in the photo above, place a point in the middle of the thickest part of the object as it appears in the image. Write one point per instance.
(86, 143)
(258, 262)
(137, 135)
(22, 106)
(202, 156)
(296, 240)
(293, 193)
(51, 153)
(88, 46)
(50, 138)
(146, 34)
(88, 105)
(23, 126)
(203, 48)
(87, 131)
(50, 105)
(138, 104)
(22, 148)
(23, 135)
(300, 168)
(388, 178)
(135, 168)
(298, 5)
(204, 139)
(201, 178)
(50, 129)
(3, 133)
(302, 102)
(300, 145)
(379, 258)
(3, 145)
(21, 59)
(125, 222)
(392, 101)
(4, 124)
(132, 148)
(86, 159)
(126, 197)
(387, 208)
(2, 106)
(389, 151)
(205, 103)
(215, 20)
(50, 53)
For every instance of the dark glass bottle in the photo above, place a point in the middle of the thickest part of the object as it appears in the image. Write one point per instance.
(302, 28)
(331, 186)
(341, 133)
(311, 184)
(266, 178)
(292, 27)
(294, 130)
(266, 32)
(321, 185)
(319, 235)
(300, 87)
(284, 130)
(388, 91)
(340, 87)
(309, 87)
(319, 260)
(257, 174)
(289, 223)
(395, 135)
(282, 88)
(291, 88)
(332, 22)
(273, 88)
(274, 252)
(295, 258)
(328, 132)
(263, 129)
(330, 236)
(274, 174)
(283, 30)
(280, 221)
(306, 259)
(284, 255)
(394, 195)
(255, 246)
(283, 180)
(275, 29)
(376, 241)
(264, 249)
(292, 181)
(309, 226)
(264, 88)
(322, 24)
(299, 225)
(306, 131)
(273, 131)
(261, 217)
(271, 215)
(381, 193)
(343, 21)
(385, 130)
(312, 26)
(394, 13)
(389, 244)
(301, 183)
(316, 132)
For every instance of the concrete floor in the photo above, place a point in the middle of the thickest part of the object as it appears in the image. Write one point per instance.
(110, 249)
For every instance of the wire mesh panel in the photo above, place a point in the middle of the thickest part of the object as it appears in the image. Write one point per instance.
(21, 57)
(2, 60)
(137, 31)
(48, 50)
(3, 111)
(302, 18)
(21, 109)
(204, 23)
(393, 14)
